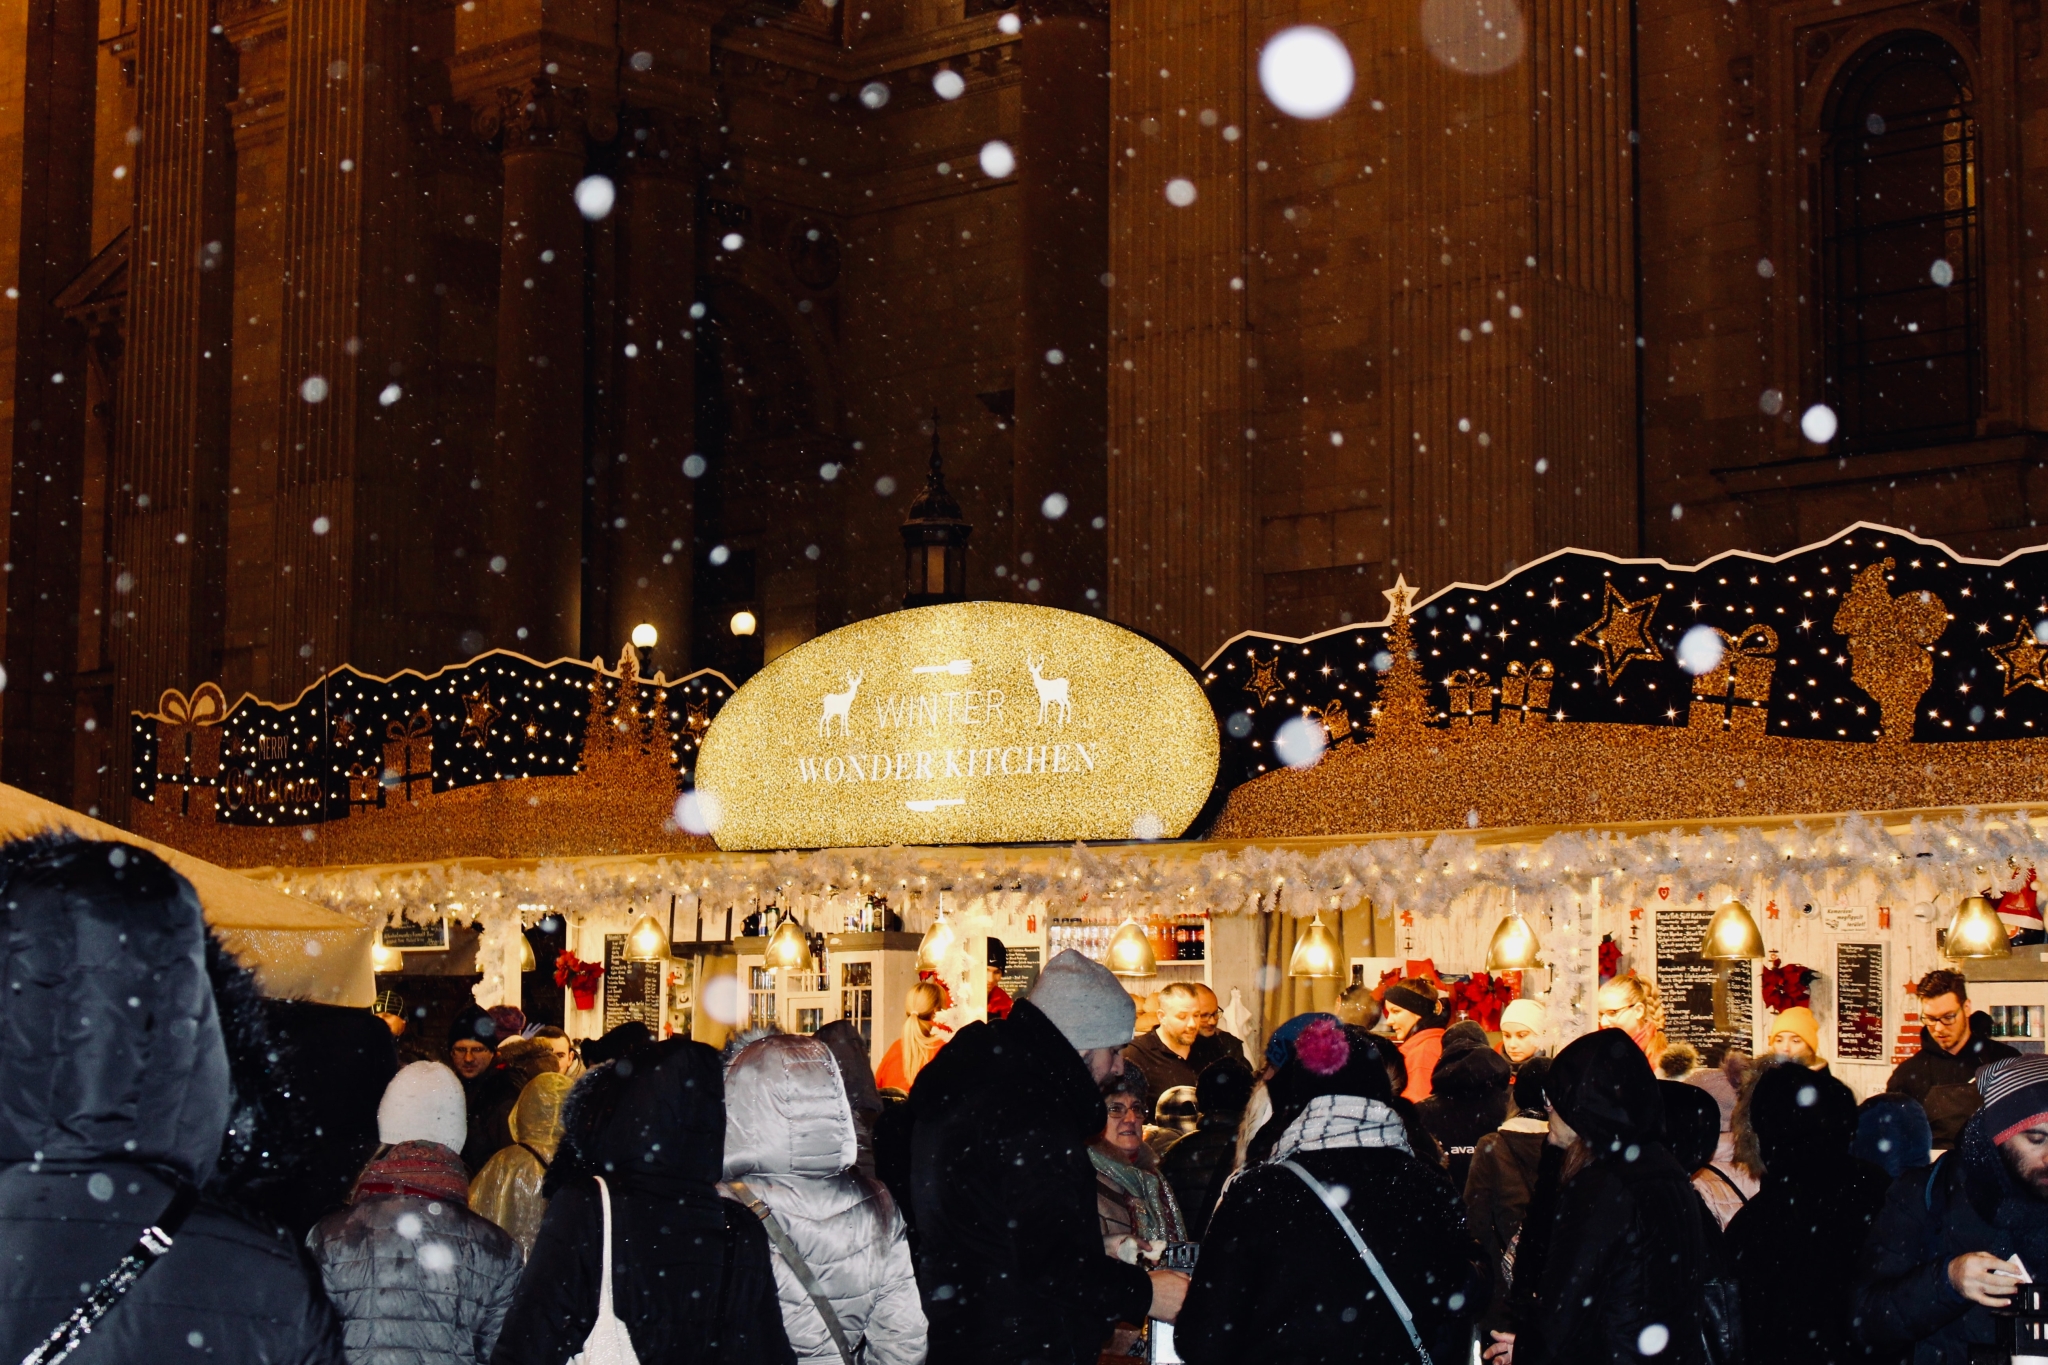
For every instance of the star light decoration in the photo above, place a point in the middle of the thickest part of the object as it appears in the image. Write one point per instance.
(352, 740)
(1622, 634)
(2022, 660)
(1631, 614)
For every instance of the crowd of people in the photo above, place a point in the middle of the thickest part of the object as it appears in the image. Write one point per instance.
(186, 1168)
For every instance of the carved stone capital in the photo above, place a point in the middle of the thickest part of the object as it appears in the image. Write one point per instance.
(656, 142)
(537, 115)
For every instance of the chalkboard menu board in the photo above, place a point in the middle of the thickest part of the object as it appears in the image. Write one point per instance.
(404, 934)
(632, 990)
(1859, 1002)
(1686, 981)
(1020, 971)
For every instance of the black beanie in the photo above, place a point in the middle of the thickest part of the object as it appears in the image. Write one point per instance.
(474, 1023)
(1224, 1088)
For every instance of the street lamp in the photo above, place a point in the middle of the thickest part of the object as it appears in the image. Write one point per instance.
(935, 540)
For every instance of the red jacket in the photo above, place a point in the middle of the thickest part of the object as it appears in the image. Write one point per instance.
(1420, 1050)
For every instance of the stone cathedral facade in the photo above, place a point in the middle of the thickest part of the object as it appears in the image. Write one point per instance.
(311, 356)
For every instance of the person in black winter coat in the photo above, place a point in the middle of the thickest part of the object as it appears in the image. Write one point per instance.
(1955, 1041)
(1788, 1246)
(489, 1093)
(691, 1275)
(1279, 1278)
(1892, 1132)
(1009, 1250)
(1194, 1163)
(1469, 1099)
(1503, 1177)
(336, 1062)
(1929, 1276)
(1630, 1244)
(123, 1083)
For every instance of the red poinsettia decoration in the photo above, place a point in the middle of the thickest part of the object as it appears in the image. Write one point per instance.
(1788, 986)
(1483, 997)
(1610, 958)
(579, 977)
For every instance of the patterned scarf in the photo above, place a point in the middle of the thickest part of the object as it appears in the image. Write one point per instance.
(1155, 1216)
(424, 1170)
(1332, 1122)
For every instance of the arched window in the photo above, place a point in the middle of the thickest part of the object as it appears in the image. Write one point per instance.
(1902, 259)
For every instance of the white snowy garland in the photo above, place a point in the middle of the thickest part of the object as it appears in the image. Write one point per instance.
(1806, 862)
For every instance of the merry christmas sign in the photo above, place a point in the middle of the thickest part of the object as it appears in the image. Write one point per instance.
(964, 723)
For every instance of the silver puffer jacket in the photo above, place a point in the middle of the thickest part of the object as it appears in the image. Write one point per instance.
(789, 1136)
(417, 1281)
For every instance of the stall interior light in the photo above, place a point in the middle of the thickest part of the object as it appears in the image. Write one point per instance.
(1976, 932)
(789, 948)
(1514, 947)
(383, 959)
(1318, 956)
(646, 941)
(526, 958)
(937, 944)
(1130, 951)
(1732, 935)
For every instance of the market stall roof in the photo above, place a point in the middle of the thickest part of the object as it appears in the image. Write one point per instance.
(1790, 855)
(298, 949)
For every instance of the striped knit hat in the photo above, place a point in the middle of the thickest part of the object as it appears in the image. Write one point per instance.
(2015, 1095)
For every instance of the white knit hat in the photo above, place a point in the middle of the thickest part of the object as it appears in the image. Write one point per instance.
(1531, 1014)
(423, 1103)
(1085, 1002)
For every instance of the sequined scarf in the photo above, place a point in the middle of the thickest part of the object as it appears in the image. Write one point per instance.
(424, 1170)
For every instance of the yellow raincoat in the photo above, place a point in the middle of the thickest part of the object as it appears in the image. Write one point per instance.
(507, 1189)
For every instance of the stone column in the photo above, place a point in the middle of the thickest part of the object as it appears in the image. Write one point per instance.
(535, 485)
(46, 174)
(261, 38)
(169, 507)
(1179, 498)
(1063, 332)
(649, 572)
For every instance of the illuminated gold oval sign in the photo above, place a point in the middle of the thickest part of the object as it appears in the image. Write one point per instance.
(972, 722)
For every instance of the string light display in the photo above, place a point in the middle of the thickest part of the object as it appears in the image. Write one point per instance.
(352, 741)
(1579, 637)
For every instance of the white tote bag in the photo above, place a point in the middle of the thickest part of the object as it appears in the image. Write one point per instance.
(608, 1343)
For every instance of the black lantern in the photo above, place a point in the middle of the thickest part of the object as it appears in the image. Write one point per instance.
(935, 541)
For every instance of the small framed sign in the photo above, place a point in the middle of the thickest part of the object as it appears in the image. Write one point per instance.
(406, 937)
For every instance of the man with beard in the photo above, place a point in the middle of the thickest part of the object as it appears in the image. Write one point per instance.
(1956, 1243)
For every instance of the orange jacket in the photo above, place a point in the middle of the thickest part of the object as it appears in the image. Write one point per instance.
(1420, 1050)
